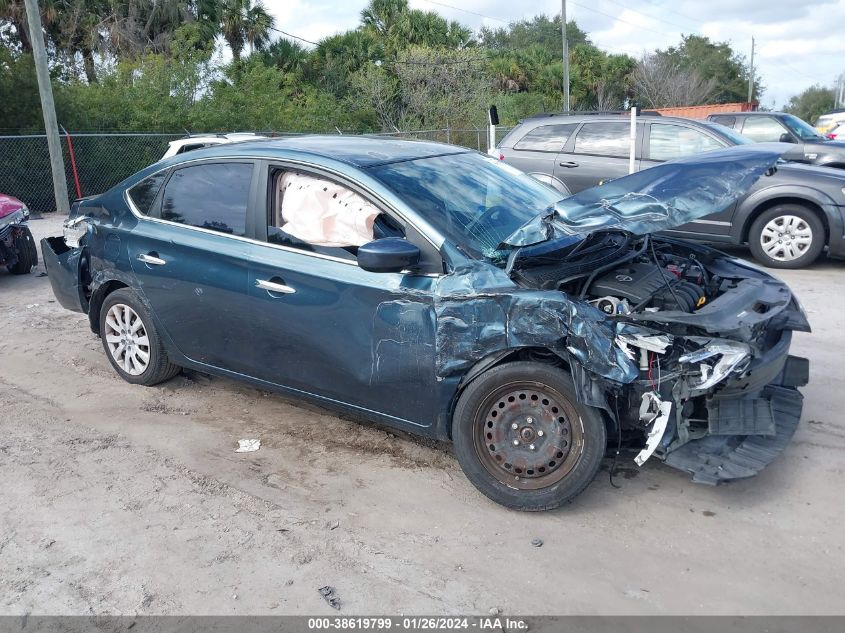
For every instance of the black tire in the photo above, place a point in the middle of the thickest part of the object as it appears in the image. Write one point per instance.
(24, 245)
(793, 255)
(554, 466)
(158, 366)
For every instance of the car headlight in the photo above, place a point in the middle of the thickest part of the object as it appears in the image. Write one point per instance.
(716, 361)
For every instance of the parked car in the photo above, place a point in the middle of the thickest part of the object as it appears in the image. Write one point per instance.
(787, 219)
(830, 120)
(18, 252)
(769, 127)
(442, 292)
(190, 143)
(837, 133)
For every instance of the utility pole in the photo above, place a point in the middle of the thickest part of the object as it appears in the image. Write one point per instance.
(565, 55)
(841, 101)
(751, 75)
(48, 108)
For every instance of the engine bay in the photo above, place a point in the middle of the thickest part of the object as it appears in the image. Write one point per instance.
(618, 273)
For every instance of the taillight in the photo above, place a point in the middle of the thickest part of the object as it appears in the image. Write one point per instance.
(831, 136)
(501, 157)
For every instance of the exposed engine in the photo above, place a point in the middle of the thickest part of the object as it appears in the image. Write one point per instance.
(618, 273)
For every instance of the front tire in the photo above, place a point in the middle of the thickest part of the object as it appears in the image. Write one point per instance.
(24, 246)
(132, 343)
(787, 236)
(522, 438)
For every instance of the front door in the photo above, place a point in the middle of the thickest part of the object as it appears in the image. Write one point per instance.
(667, 141)
(191, 266)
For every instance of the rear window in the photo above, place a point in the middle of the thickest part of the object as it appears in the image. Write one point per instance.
(546, 138)
(144, 193)
(604, 139)
(209, 196)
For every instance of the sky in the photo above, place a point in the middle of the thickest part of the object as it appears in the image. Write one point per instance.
(798, 44)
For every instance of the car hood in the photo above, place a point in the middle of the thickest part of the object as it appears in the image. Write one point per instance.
(9, 205)
(658, 198)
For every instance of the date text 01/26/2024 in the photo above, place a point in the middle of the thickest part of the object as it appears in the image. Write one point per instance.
(420, 623)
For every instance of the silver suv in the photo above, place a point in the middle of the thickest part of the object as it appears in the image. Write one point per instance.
(787, 219)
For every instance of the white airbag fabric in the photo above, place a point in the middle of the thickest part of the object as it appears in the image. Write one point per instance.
(323, 213)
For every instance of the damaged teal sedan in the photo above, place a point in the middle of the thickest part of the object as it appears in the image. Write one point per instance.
(438, 291)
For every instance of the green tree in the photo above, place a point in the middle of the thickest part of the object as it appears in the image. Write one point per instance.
(245, 22)
(811, 103)
(540, 31)
(715, 61)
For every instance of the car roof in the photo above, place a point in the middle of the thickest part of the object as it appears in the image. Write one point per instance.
(537, 121)
(359, 151)
(748, 114)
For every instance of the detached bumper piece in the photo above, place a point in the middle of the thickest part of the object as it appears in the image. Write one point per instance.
(745, 434)
(62, 265)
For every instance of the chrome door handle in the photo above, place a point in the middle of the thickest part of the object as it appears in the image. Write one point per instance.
(151, 259)
(568, 163)
(272, 286)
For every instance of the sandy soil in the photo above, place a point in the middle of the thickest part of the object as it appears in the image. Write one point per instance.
(124, 499)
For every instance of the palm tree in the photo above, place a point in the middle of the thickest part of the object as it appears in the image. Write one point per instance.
(245, 22)
(286, 55)
(14, 12)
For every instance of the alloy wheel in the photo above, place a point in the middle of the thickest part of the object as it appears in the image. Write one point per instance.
(127, 339)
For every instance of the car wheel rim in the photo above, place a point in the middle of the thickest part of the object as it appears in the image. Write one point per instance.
(127, 340)
(528, 436)
(786, 238)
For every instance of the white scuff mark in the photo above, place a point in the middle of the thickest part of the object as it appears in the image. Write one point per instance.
(248, 446)
(656, 412)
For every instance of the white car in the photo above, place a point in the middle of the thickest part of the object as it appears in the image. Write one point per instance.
(189, 143)
(837, 133)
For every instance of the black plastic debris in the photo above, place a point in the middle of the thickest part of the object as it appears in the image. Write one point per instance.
(330, 596)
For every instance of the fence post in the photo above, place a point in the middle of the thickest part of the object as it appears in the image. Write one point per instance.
(72, 162)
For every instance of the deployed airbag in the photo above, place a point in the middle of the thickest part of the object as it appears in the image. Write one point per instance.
(323, 213)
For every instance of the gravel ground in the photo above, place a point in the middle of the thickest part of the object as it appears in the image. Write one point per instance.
(119, 499)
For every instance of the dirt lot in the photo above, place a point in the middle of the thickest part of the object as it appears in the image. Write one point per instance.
(124, 499)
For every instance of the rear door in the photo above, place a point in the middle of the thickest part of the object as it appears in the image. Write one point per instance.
(537, 151)
(598, 152)
(667, 141)
(190, 258)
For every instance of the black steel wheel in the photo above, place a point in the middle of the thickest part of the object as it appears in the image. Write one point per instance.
(522, 438)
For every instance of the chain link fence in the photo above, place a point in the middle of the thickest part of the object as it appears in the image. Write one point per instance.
(95, 162)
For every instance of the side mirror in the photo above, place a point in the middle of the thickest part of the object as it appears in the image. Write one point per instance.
(388, 255)
(786, 138)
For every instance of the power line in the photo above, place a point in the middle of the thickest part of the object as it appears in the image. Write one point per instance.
(480, 15)
(646, 15)
(613, 17)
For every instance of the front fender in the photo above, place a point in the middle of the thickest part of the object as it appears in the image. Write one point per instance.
(745, 212)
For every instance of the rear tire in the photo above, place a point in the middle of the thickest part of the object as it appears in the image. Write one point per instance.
(24, 245)
(132, 343)
(553, 453)
(787, 236)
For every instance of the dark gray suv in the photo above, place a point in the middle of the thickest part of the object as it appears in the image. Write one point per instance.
(764, 127)
(787, 218)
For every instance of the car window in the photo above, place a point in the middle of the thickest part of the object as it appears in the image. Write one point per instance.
(762, 129)
(801, 129)
(724, 120)
(667, 141)
(546, 138)
(144, 193)
(605, 139)
(315, 214)
(210, 196)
